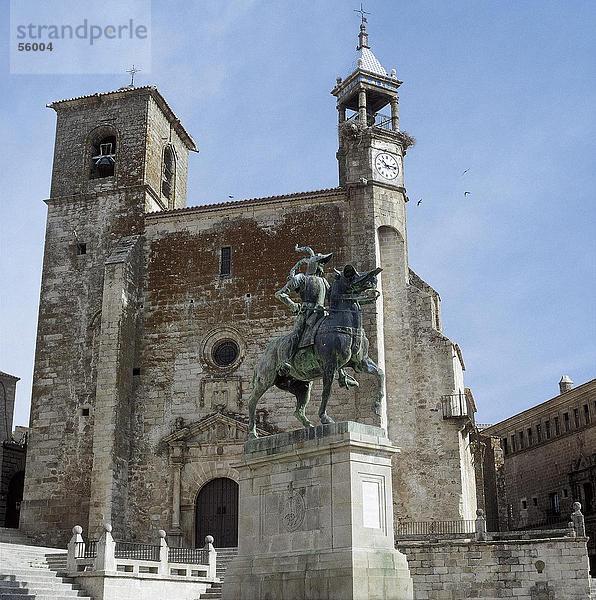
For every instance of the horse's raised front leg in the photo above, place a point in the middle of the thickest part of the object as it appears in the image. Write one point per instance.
(301, 389)
(260, 385)
(368, 365)
(328, 376)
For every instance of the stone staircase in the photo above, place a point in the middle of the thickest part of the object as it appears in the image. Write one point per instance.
(224, 557)
(30, 572)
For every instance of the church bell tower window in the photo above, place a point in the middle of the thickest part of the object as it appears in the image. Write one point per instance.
(168, 173)
(103, 157)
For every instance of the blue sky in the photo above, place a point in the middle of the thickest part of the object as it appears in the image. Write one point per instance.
(506, 89)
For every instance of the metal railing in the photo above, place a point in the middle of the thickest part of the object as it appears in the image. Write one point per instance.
(189, 556)
(456, 406)
(433, 528)
(379, 120)
(86, 550)
(134, 551)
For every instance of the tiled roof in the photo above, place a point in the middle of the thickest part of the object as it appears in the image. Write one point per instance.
(370, 62)
(3, 374)
(267, 199)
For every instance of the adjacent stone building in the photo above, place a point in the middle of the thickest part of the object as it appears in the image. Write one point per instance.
(548, 461)
(153, 315)
(13, 453)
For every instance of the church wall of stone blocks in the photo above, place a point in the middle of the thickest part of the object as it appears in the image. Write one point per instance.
(153, 316)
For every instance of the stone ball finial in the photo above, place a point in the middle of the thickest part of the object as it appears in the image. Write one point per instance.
(209, 539)
(162, 534)
(360, 63)
(577, 506)
(107, 527)
(393, 73)
(479, 512)
(338, 80)
(77, 530)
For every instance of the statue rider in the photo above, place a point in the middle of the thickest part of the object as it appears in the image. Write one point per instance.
(313, 288)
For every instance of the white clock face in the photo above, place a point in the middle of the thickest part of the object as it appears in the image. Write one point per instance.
(387, 165)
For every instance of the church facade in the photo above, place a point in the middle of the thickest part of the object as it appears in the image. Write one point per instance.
(153, 315)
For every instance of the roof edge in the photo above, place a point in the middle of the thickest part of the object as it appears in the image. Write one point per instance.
(151, 90)
(337, 191)
(580, 389)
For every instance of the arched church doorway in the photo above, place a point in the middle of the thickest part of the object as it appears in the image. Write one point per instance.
(14, 498)
(217, 513)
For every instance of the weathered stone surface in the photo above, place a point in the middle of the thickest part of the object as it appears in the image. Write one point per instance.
(125, 338)
(315, 518)
(527, 569)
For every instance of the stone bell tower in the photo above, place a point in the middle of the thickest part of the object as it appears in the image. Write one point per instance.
(117, 156)
(423, 368)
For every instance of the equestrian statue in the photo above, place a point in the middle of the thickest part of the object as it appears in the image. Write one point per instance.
(323, 342)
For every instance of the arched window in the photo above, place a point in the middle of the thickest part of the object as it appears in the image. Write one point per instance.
(168, 172)
(103, 156)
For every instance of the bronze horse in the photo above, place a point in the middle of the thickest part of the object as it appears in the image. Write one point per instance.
(339, 342)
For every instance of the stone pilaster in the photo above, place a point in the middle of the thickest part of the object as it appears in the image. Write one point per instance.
(111, 439)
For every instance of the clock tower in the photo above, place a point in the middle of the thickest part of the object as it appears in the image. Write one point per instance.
(371, 146)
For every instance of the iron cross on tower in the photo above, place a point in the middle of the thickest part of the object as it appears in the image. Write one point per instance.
(133, 71)
(362, 13)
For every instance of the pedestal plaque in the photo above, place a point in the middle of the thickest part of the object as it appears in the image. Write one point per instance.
(316, 518)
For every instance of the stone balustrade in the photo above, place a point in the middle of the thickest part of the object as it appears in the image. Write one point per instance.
(107, 555)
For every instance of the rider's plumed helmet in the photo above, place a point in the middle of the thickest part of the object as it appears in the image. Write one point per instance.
(314, 261)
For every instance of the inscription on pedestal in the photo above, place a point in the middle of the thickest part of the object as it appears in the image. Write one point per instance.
(373, 501)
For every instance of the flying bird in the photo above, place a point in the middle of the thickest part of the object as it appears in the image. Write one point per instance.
(467, 193)
(419, 202)
(230, 196)
(465, 172)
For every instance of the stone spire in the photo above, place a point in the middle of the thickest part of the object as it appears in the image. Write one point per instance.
(363, 36)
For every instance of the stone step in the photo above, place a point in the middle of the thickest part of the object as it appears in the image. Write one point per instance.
(26, 549)
(57, 596)
(43, 591)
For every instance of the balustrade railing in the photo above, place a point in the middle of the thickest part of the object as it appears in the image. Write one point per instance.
(378, 120)
(86, 550)
(135, 551)
(428, 530)
(109, 556)
(431, 528)
(189, 556)
(457, 406)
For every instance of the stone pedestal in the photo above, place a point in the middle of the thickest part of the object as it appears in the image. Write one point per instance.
(316, 518)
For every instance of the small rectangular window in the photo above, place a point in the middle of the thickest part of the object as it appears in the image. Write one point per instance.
(535, 501)
(566, 421)
(576, 418)
(504, 445)
(81, 248)
(84, 412)
(136, 371)
(225, 262)
(524, 504)
(539, 432)
(547, 429)
(530, 436)
(557, 426)
(555, 503)
(565, 493)
(586, 414)
(521, 440)
(513, 445)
